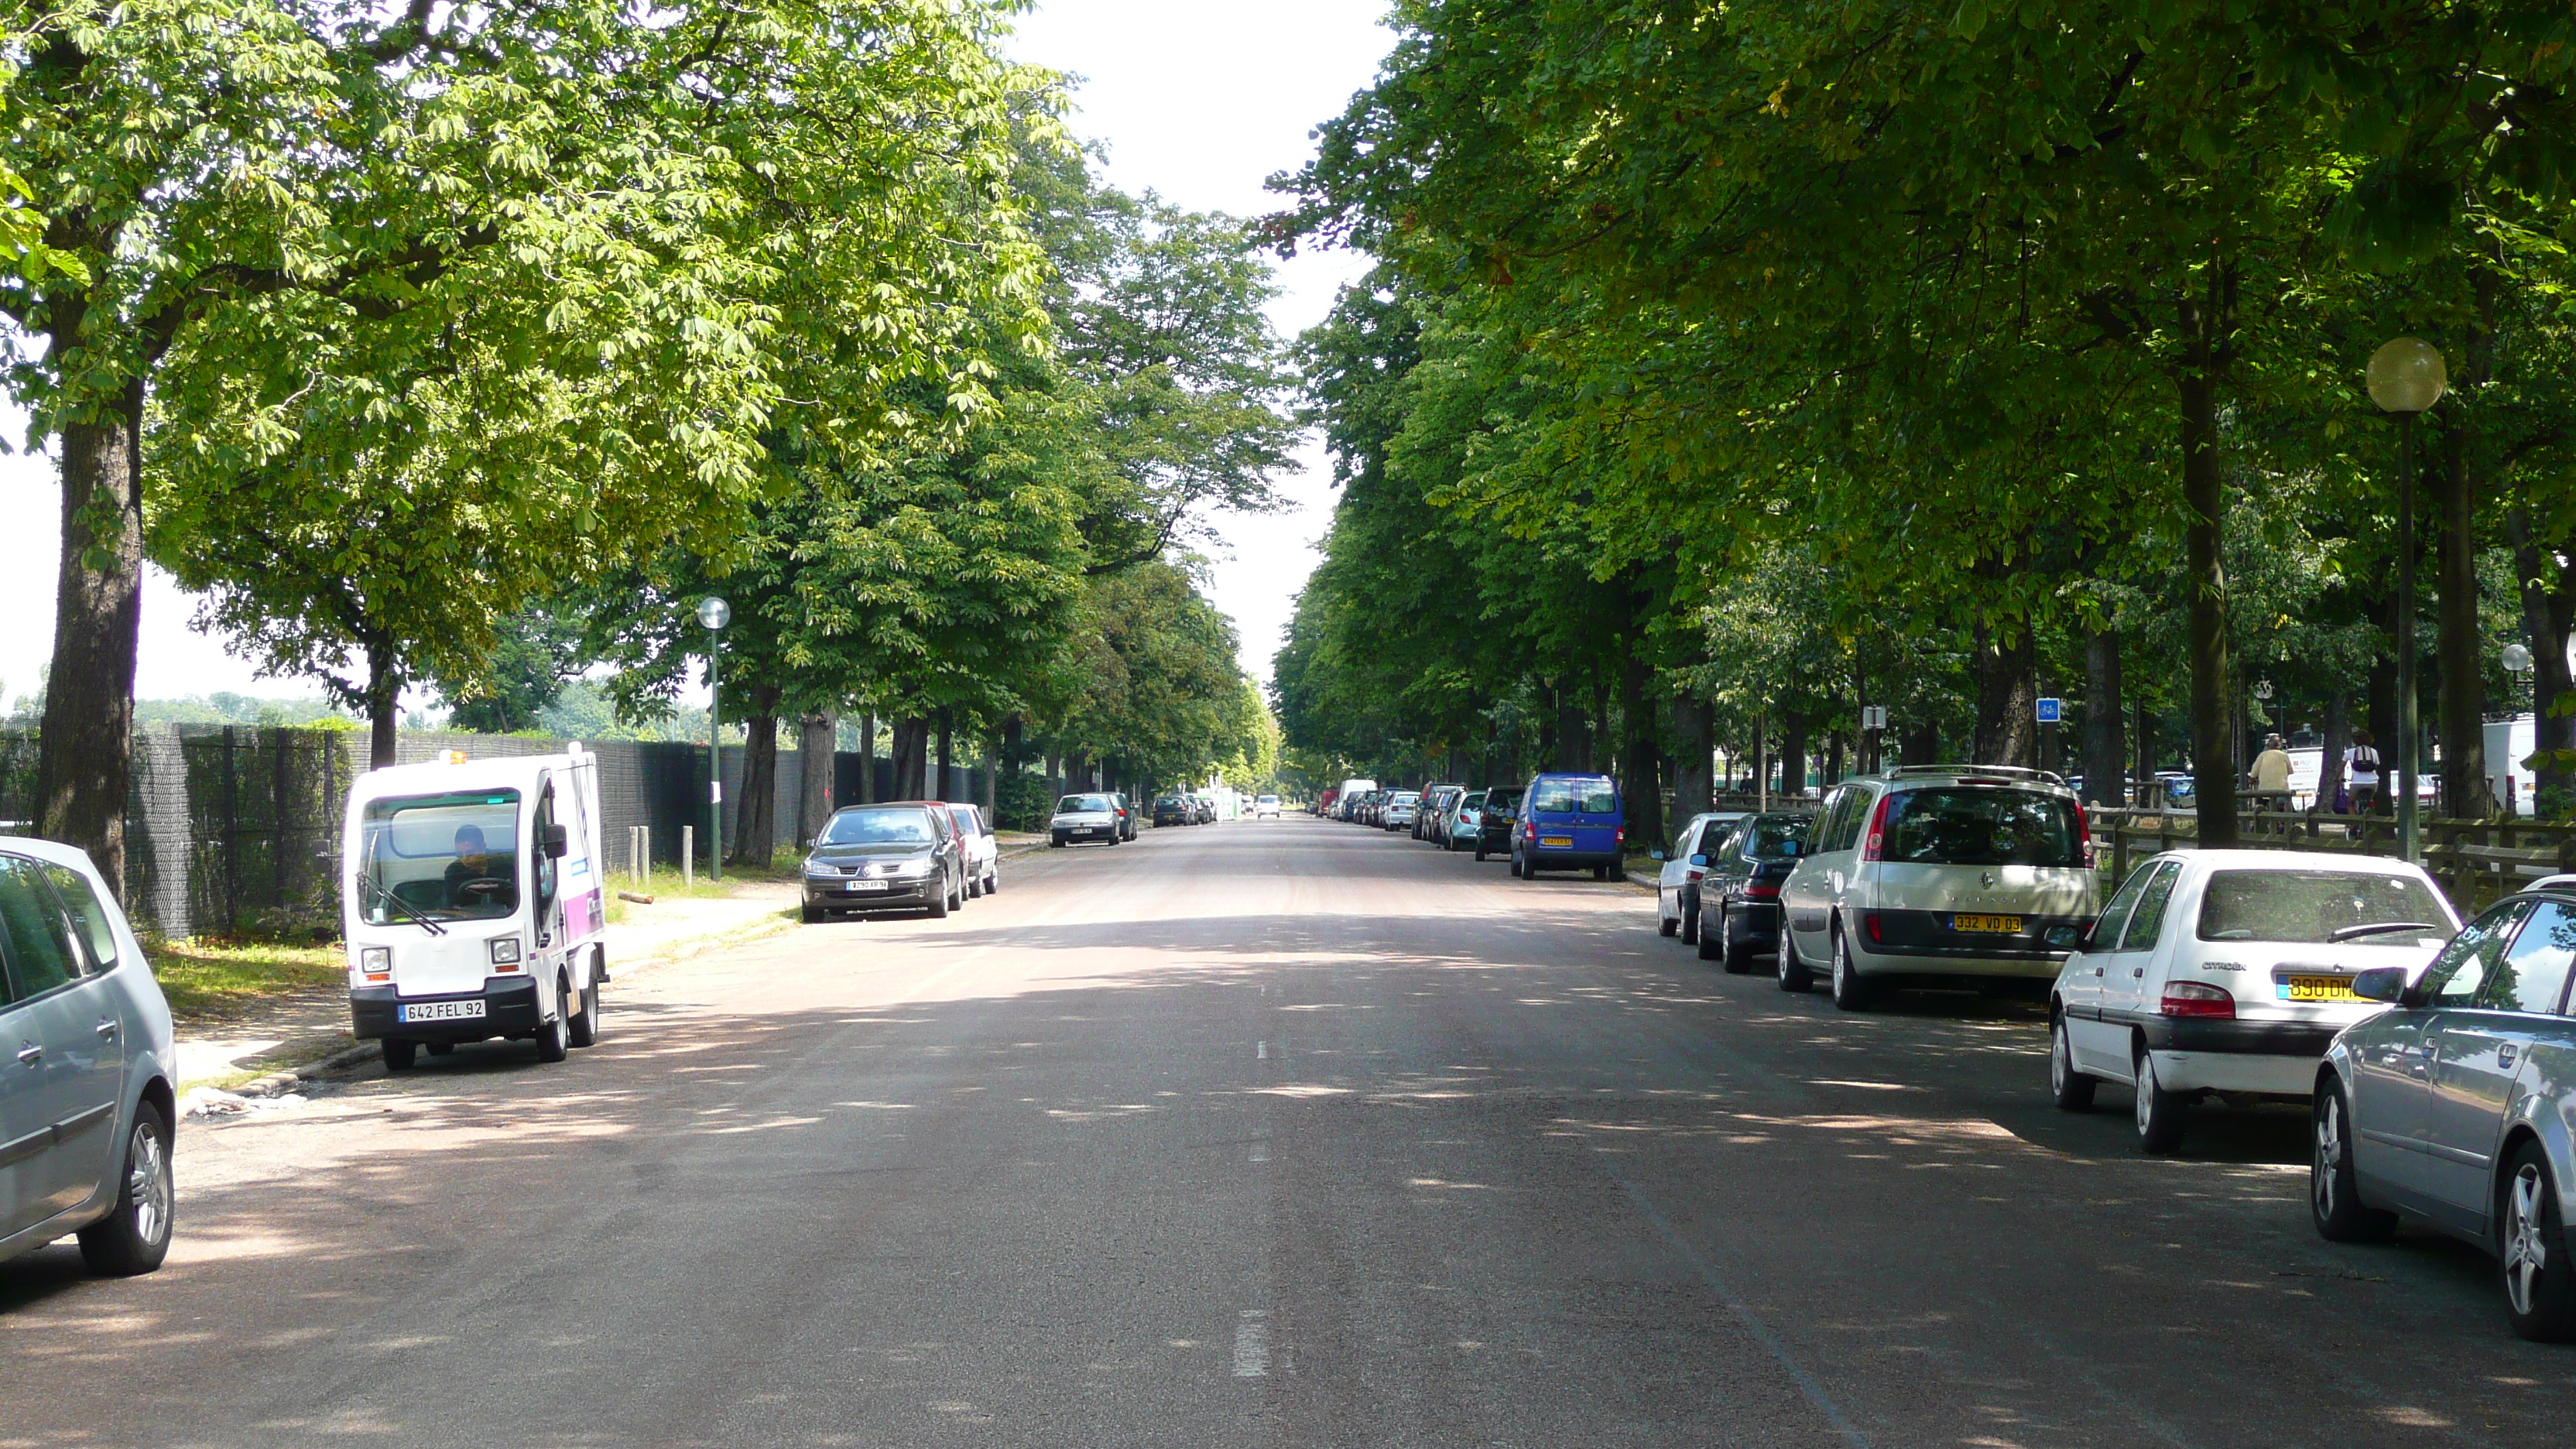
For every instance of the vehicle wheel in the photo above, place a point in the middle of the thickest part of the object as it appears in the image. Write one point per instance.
(1712, 944)
(1689, 914)
(2334, 1189)
(957, 897)
(810, 913)
(1516, 866)
(442, 1048)
(554, 1038)
(1732, 948)
(938, 906)
(993, 881)
(135, 1235)
(1793, 973)
(585, 1027)
(1600, 872)
(1851, 992)
(2070, 1089)
(974, 888)
(2160, 1113)
(1665, 925)
(1480, 852)
(1057, 842)
(399, 1055)
(2539, 1279)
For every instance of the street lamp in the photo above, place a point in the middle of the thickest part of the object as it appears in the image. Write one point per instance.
(2406, 378)
(713, 614)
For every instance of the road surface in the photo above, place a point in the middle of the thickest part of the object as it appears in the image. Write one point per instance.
(1266, 1133)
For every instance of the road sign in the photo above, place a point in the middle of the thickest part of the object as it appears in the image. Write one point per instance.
(2050, 710)
(1873, 716)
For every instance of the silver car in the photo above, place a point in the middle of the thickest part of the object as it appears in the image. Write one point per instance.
(86, 1068)
(2454, 1106)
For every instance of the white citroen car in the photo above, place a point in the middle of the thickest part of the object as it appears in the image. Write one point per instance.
(1937, 875)
(2227, 973)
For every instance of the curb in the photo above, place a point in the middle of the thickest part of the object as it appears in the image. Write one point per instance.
(285, 1081)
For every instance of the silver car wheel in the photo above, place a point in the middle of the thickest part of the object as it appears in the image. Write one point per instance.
(2146, 1093)
(2526, 1254)
(147, 1184)
(2058, 1066)
(2321, 1175)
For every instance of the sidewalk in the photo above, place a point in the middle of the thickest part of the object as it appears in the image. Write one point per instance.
(281, 1033)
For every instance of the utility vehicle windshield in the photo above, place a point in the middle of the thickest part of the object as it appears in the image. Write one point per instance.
(451, 857)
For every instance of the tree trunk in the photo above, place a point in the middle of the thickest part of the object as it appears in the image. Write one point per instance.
(2205, 575)
(2106, 749)
(995, 759)
(1694, 752)
(1571, 747)
(384, 705)
(868, 758)
(2381, 708)
(1833, 773)
(2144, 773)
(84, 760)
(1596, 732)
(1920, 739)
(818, 736)
(1793, 753)
(2462, 702)
(755, 817)
(947, 749)
(1641, 784)
(911, 752)
(2007, 713)
(2338, 738)
(2548, 614)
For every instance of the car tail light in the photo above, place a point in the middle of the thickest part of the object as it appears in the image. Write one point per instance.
(2198, 998)
(1623, 836)
(1869, 919)
(1693, 874)
(1529, 831)
(1762, 890)
(2083, 836)
(1877, 840)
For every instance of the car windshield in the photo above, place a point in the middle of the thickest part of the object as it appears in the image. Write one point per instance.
(1084, 805)
(966, 818)
(1981, 827)
(1764, 838)
(879, 827)
(442, 857)
(1568, 797)
(2310, 907)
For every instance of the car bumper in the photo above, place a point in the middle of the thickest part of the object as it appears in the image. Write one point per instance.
(1085, 832)
(509, 1009)
(1757, 923)
(2262, 1074)
(1546, 859)
(837, 896)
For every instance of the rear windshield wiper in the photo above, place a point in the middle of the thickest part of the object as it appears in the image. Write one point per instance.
(2382, 928)
(404, 906)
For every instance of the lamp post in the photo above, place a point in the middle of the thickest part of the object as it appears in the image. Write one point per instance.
(2406, 378)
(714, 613)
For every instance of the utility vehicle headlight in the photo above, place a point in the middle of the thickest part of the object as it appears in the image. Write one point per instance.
(505, 950)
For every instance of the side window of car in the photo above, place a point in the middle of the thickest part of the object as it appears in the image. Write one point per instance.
(1851, 817)
(41, 955)
(1829, 820)
(2106, 929)
(2462, 967)
(89, 915)
(1684, 843)
(2148, 916)
(2533, 974)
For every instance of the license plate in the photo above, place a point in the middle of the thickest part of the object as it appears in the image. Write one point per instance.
(1996, 925)
(2314, 988)
(1560, 842)
(863, 885)
(442, 1011)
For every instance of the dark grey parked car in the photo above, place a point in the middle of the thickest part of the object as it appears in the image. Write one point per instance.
(2454, 1107)
(884, 858)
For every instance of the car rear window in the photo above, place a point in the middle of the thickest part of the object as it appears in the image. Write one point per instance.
(1766, 837)
(1981, 827)
(2309, 906)
(1569, 797)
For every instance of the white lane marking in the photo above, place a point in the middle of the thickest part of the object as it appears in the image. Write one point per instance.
(1261, 1051)
(1261, 1152)
(1252, 1345)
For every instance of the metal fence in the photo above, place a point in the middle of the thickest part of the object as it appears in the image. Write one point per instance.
(237, 828)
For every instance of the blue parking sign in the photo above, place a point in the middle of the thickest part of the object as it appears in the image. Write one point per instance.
(2050, 710)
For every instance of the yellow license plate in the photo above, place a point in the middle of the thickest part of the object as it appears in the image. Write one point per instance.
(1999, 925)
(1560, 842)
(2315, 988)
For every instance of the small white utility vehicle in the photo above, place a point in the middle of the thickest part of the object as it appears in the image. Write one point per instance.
(475, 904)
(2227, 973)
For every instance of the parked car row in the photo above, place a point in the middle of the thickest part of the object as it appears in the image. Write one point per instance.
(1095, 815)
(906, 855)
(2437, 1061)
(1184, 810)
(1555, 822)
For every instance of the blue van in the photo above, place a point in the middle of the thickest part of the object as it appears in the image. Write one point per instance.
(1568, 822)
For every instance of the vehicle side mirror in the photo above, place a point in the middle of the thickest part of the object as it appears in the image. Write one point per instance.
(1654, 855)
(2069, 938)
(2381, 983)
(556, 841)
(1701, 859)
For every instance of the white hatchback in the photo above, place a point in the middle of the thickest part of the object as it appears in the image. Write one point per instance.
(2227, 973)
(1937, 875)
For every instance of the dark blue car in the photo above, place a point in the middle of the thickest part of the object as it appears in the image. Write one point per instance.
(1568, 822)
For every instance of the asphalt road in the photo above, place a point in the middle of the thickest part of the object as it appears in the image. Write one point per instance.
(1275, 1133)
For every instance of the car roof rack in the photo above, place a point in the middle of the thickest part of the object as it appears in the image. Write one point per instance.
(2018, 771)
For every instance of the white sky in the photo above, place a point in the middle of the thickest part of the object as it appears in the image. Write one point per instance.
(1199, 100)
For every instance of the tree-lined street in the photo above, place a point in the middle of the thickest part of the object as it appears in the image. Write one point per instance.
(1277, 1133)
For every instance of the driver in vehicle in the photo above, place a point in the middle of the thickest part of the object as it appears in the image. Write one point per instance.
(476, 877)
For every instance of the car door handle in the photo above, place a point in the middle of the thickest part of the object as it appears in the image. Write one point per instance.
(107, 1030)
(29, 1054)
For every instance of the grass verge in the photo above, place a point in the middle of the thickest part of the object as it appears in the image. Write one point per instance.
(202, 977)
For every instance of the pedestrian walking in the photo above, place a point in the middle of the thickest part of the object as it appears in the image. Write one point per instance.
(2361, 769)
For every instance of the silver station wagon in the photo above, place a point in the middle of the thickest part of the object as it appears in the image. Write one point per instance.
(2454, 1107)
